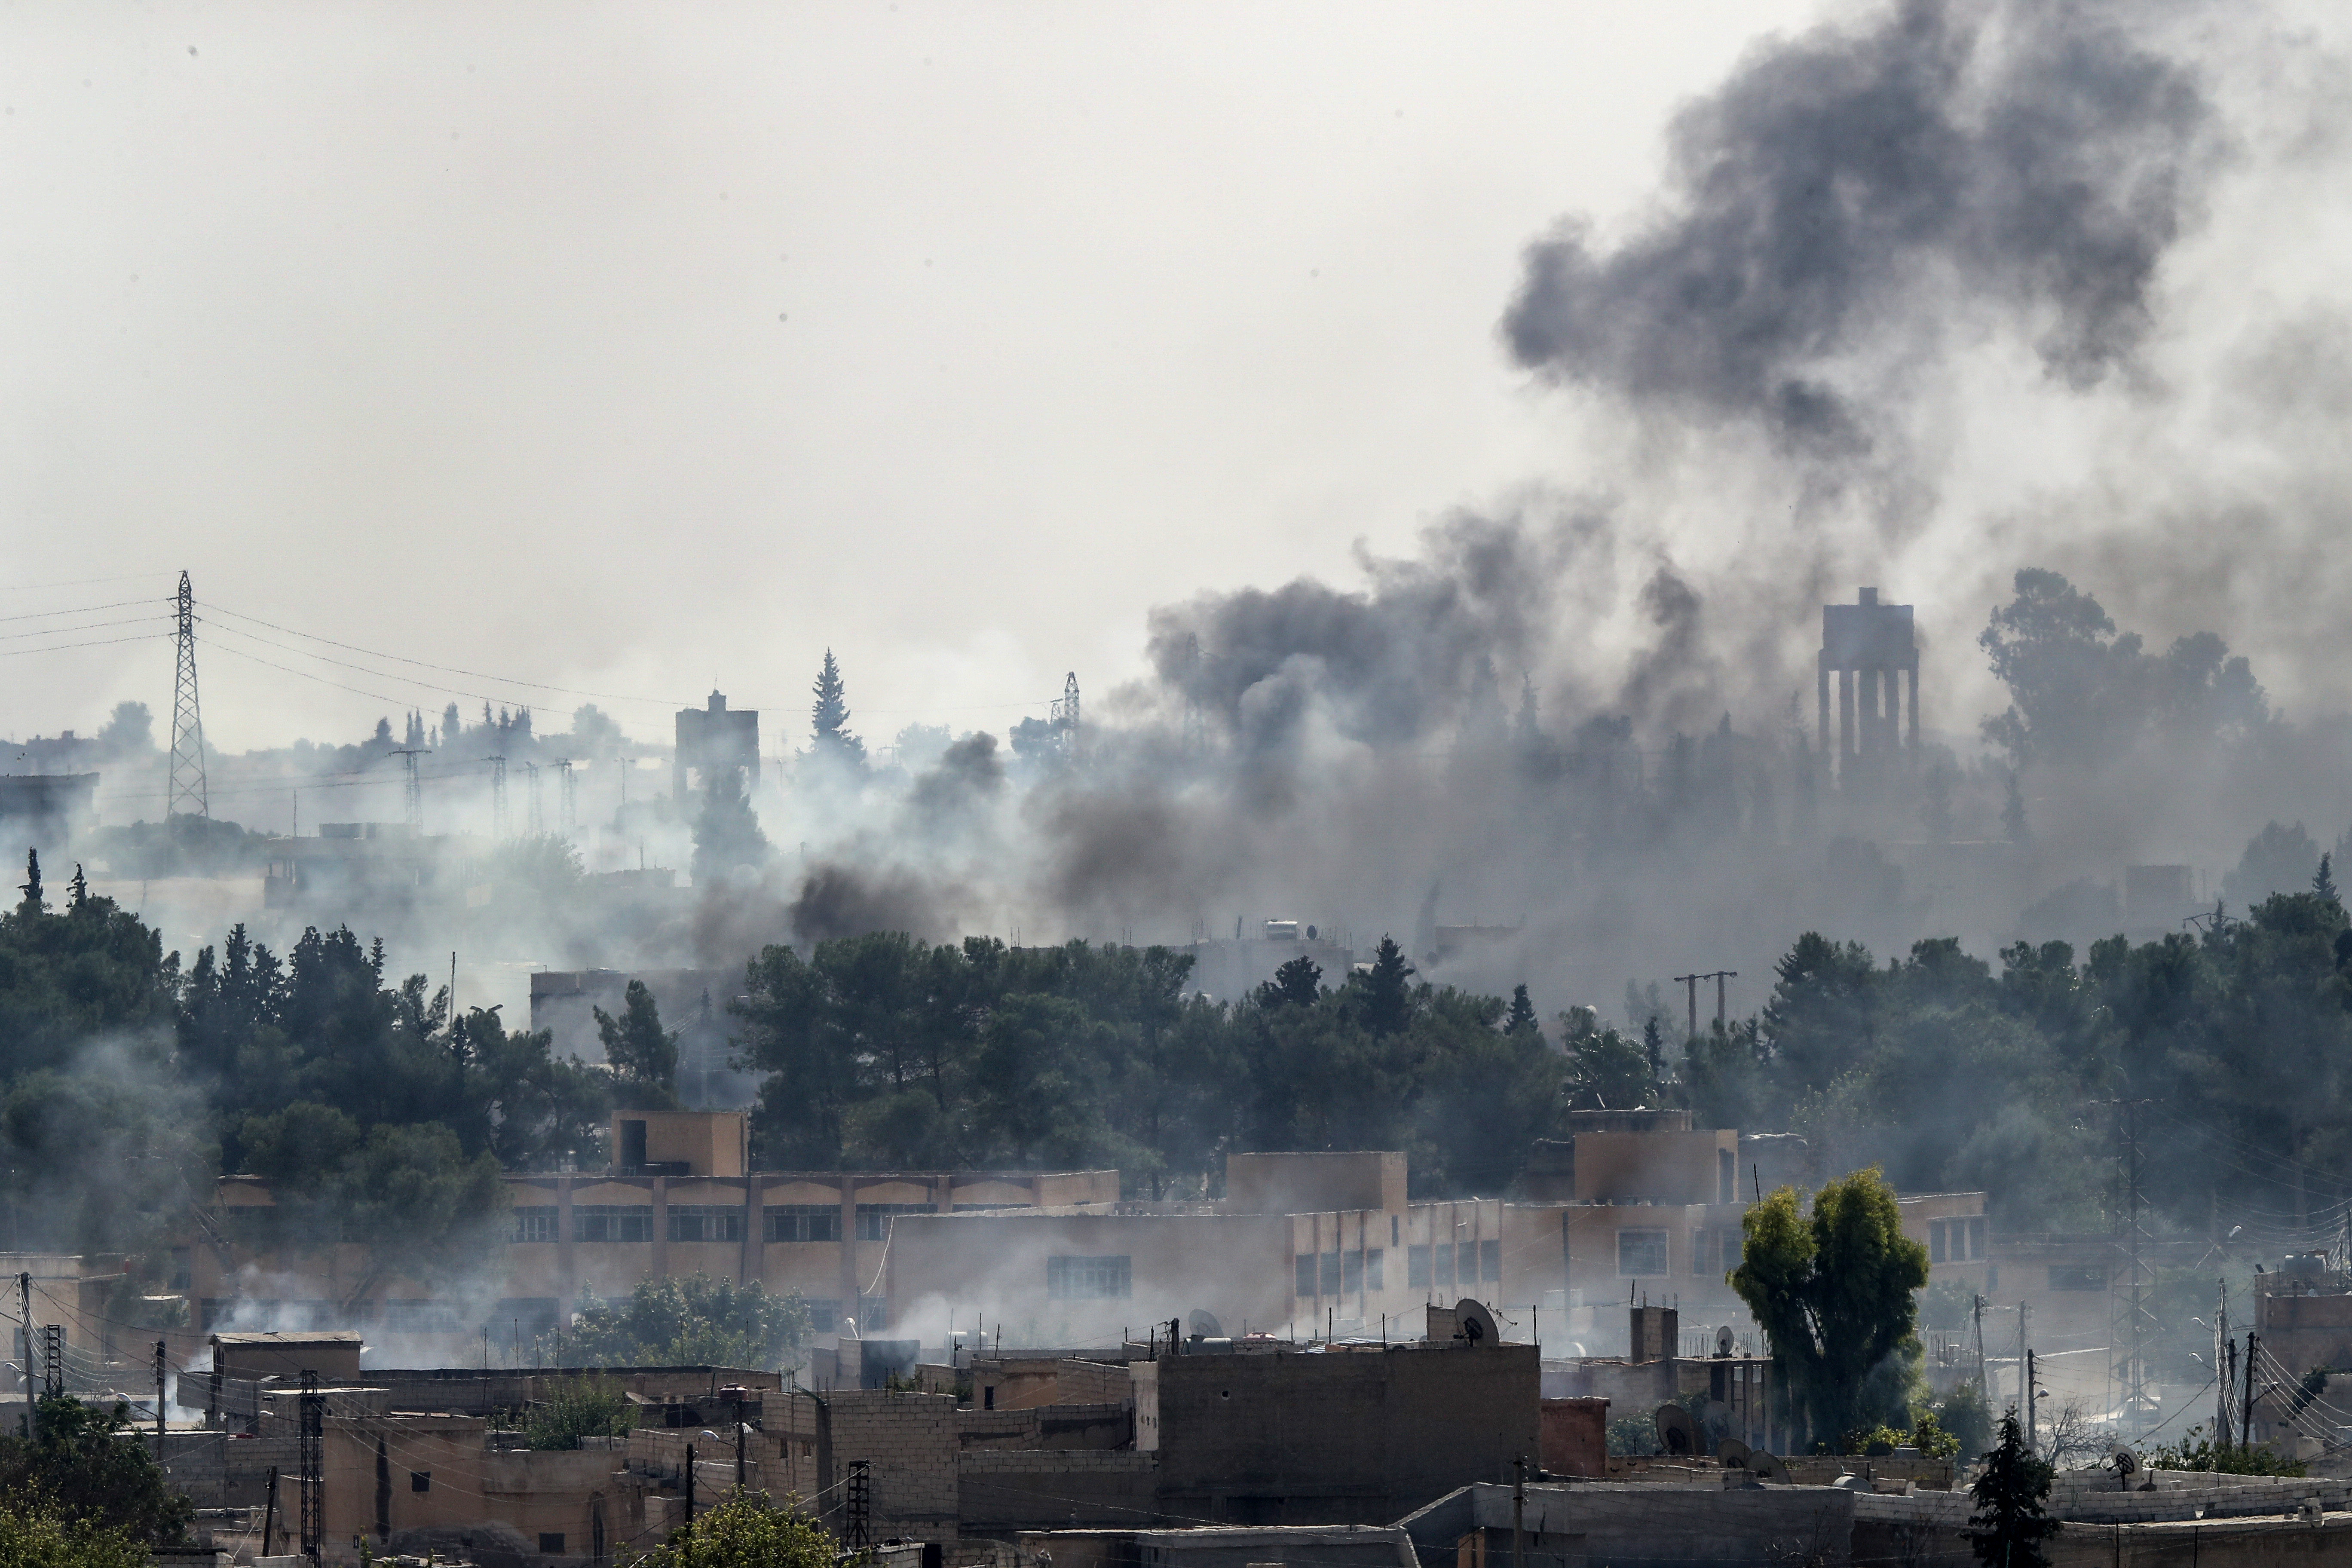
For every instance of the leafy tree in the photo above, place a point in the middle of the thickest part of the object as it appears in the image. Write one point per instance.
(1298, 984)
(427, 1212)
(577, 1408)
(829, 716)
(692, 1322)
(642, 1054)
(2010, 1524)
(1606, 1071)
(747, 1530)
(726, 836)
(86, 1465)
(1833, 1293)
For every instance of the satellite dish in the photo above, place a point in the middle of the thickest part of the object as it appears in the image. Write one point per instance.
(1203, 1324)
(1766, 1467)
(1677, 1433)
(1732, 1453)
(2125, 1462)
(1478, 1323)
(1723, 1339)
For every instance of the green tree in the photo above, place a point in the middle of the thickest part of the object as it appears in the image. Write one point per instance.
(2010, 1522)
(1521, 1019)
(747, 1530)
(829, 716)
(726, 836)
(1297, 984)
(1384, 992)
(642, 1054)
(88, 1465)
(577, 1408)
(1834, 1294)
(696, 1320)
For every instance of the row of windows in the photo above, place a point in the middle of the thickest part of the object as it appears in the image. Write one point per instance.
(1956, 1240)
(1089, 1279)
(1341, 1273)
(707, 1222)
(1453, 1264)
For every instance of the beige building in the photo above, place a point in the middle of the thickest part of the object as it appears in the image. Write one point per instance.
(679, 1201)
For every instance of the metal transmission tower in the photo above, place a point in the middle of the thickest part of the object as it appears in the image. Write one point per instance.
(538, 807)
(188, 797)
(497, 797)
(1063, 715)
(415, 796)
(568, 802)
(2138, 1276)
(311, 1456)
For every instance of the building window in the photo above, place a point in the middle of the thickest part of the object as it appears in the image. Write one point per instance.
(873, 1314)
(1699, 1248)
(1490, 1261)
(705, 1222)
(1351, 1274)
(1976, 1237)
(527, 1318)
(1936, 1242)
(611, 1222)
(1305, 1272)
(1372, 1257)
(1416, 1268)
(873, 1219)
(550, 1543)
(1089, 1279)
(418, 1316)
(1640, 1252)
(2078, 1276)
(536, 1223)
(182, 1279)
(804, 1222)
(824, 1314)
(1330, 1274)
(420, 1480)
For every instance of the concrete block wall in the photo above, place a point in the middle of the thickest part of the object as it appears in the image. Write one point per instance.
(1001, 1490)
(911, 1442)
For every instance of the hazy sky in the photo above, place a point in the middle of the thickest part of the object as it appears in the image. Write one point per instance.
(626, 347)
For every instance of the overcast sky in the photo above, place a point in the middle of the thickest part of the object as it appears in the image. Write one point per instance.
(629, 348)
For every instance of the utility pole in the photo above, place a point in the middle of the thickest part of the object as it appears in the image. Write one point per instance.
(1690, 984)
(160, 1348)
(2222, 1380)
(269, 1511)
(569, 801)
(738, 1440)
(2136, 1366)
(25, 1318)
(2246, 1415)
(53, 1359)
(1518, 1511)
(538, 810)
(415, 799)
(859, 1499)
(2024, 1381)
(185, 796)
(2032, 1429)
(312, 1457)
(1983, 1392)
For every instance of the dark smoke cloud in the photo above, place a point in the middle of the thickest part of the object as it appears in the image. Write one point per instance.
(1391, 664)
(1848, 195)
(968, 772)
(840, 901)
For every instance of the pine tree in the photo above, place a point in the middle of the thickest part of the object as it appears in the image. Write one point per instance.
(642, 1054)
(1521, 1019)
(2012, 812)
(453, 724)
(1388, 997)
(2010, 1524)
(2323, 881)
(31, 905)
(829, 714)
(77, 892)
(727, 834)
(1298, 984)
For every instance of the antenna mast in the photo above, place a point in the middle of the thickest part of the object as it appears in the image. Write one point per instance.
(187, 795)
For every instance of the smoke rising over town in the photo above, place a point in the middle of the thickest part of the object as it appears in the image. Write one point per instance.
(1916, 611)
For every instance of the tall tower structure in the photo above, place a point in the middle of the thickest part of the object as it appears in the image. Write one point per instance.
(1870, 647)
(187, 795)
(497, 797)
